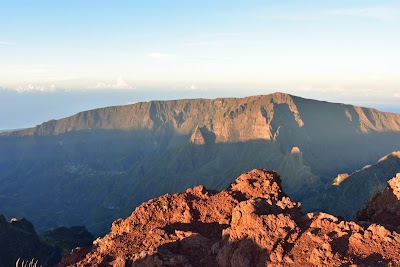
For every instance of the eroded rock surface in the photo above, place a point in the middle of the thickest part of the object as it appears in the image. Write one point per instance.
(251, 223)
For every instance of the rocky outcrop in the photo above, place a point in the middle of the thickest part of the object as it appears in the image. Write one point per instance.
(340, 178)
(349, 193)
(18, 240)
(303, 181)
(197, 137)
(251, 223)
(384, 207)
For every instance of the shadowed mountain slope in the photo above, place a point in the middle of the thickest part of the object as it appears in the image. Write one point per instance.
(384, 207)
(350, 195)
(98, 165)
(19, 242)
(314, 126)
(18, 239)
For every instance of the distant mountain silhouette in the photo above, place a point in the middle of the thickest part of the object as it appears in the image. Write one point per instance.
(98, 165)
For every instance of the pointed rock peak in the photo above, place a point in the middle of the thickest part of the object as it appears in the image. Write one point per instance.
(197, 137)
(261, 183)
(296, 155)
(293, 166)
(295, 150)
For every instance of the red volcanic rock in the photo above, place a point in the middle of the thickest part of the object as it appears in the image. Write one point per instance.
(252, 223)
(384, 207)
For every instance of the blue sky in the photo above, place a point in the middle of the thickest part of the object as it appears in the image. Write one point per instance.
(344, 50)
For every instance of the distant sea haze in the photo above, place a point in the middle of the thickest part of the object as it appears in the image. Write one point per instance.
(20, 110)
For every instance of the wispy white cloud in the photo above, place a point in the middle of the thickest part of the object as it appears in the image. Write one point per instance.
(396, 95)
(291, 17)
(371, 12)
(6, 43)
(203, 43)
(222, 34)
(286, 15)
(381, 13)
(211, 58)
(120, 83)
(194, 87)
(161, 56)
(35, 88)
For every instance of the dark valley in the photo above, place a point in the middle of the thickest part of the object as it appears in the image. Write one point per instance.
(98, 165)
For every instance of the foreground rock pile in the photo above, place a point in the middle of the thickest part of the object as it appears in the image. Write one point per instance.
(251, 223)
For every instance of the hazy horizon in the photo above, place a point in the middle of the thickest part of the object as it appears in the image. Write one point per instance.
(339, 51)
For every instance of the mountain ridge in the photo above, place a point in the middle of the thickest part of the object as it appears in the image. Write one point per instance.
(107, 118)
(104, 160)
